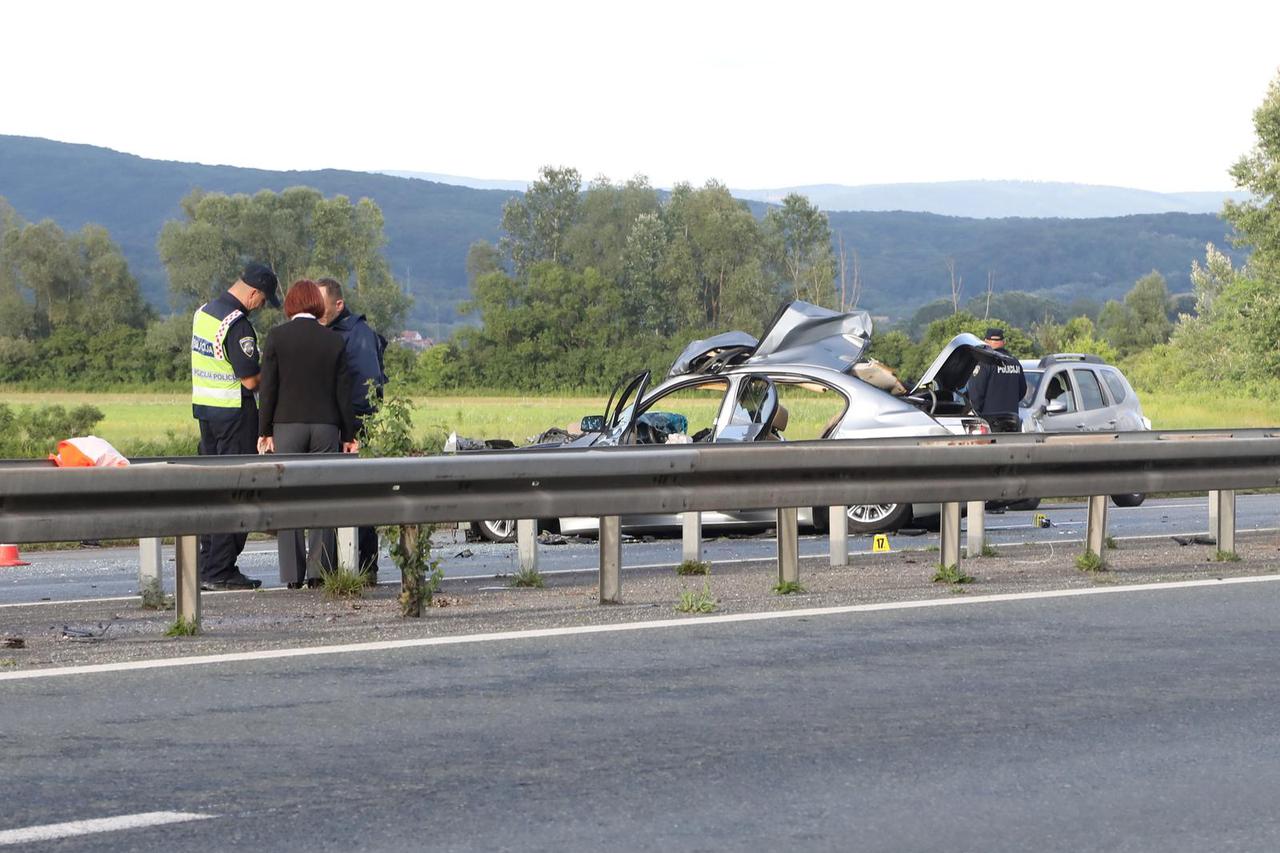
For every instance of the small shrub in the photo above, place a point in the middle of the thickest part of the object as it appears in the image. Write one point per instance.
(694, 567)
(528, 579)
(8, 661)
(1226, 557)
(951, 574)
(155, 599)
(694, 601)
(788, 588)
(1111, 543)
(342, 583)
(183, 628)
(1090, 562)
(989, 551)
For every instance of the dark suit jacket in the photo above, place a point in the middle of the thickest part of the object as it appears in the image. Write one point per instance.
(305, 378)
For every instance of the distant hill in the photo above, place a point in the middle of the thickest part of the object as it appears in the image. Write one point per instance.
(903, 256)
(430, 226)
(999, 199)
(460, 181)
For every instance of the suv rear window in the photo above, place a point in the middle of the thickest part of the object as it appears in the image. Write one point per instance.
(1090, 390)
(1115, 384)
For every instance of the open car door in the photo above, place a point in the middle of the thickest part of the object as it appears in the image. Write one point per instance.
(620, 422)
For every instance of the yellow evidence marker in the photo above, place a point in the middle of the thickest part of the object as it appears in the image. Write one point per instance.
(880, 545)
(1041, 520)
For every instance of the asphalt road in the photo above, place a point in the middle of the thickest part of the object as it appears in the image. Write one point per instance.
(100, 573)
(1124, 721)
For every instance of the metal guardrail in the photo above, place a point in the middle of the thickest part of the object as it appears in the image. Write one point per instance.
(274, 494)
(216, 494)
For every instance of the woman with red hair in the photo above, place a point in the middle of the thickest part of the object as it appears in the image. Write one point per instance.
(305, 407)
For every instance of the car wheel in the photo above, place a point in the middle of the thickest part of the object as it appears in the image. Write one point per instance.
(502, 530)
(878, 518)
(1130, 499)
(1024, 505)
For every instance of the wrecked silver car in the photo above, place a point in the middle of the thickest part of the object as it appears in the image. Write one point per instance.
(737, 388)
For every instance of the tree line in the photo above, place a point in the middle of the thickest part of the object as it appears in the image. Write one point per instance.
(72, 315)
(588, 283)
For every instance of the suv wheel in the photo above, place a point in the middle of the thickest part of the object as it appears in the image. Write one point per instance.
(1130, 499)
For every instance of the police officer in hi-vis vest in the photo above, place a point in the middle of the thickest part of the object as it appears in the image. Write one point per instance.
(224, 377)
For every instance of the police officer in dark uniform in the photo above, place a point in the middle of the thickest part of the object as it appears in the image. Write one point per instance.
(996, 388)
(224, 377)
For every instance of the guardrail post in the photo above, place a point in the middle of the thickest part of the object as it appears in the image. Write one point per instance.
(977, 529)
(186, 589)
(1224, 530)
(1095, 538)
(788, 545)
(691, 536)
(838, 528)
(611, 559)
(1213, 512)
(527, 544)
(348, 556)
(150, 559)
(949, 532)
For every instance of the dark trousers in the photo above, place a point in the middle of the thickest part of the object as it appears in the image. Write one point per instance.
(367, 547)
(238, 435)
(318, 555)
(366, 537)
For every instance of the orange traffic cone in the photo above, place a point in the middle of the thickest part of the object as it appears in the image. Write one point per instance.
(9, 556)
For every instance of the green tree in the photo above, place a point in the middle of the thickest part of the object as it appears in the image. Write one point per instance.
(1075, 335)
(1142, 320)
(646, 298)
(1257, 220)
(113, 292)
(605, 217)
(298, 233)
(537, 224)
(801, 240)
(718, 259)
(51, 280)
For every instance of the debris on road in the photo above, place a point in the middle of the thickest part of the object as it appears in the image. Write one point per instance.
(1199, 539)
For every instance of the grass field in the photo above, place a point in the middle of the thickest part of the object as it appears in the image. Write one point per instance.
(135, 418)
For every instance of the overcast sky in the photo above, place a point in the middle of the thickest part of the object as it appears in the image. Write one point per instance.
(1153, 95)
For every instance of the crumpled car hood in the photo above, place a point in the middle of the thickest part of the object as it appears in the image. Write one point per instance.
(807, 334)
(800, 333)
(696, 357)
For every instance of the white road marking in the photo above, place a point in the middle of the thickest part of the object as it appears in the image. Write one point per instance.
(656, 624)
(51, 831)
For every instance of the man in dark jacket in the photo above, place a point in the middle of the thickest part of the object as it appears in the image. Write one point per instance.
(364, 349)
(996, 389)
